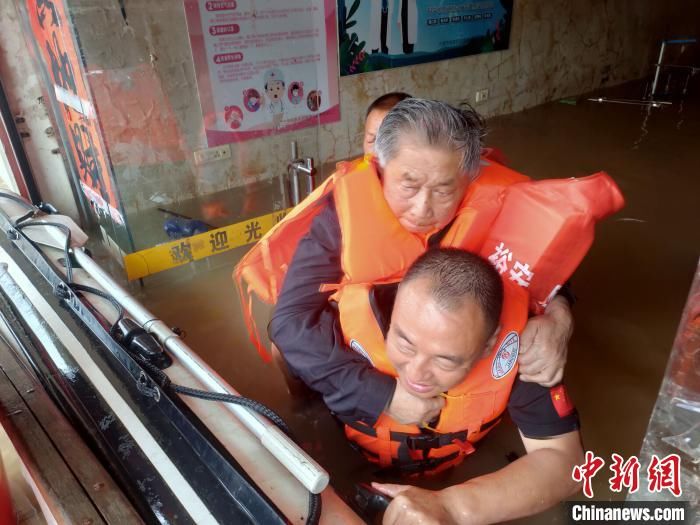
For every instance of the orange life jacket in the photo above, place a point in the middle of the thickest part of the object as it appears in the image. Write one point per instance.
(471, 409)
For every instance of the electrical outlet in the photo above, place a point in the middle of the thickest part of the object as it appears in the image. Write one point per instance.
(204, 156)
(482, 95)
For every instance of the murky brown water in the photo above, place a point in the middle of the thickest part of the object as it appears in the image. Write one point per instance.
(631, 287)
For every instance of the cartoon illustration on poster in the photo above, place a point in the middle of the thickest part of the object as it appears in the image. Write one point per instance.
(383, 34)
(263, 66)
(54, 39)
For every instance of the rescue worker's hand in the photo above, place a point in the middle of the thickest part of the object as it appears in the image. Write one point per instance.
(412, 505)
(544, 344)
(407, 409)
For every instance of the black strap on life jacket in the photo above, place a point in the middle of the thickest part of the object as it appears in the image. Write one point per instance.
(405, 465)
(424, 442)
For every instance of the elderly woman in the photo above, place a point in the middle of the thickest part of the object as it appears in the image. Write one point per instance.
(427, 159)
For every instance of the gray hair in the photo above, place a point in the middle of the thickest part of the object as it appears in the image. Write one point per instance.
(432, 123)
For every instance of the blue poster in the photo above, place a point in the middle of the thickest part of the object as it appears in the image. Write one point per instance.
(382, 34)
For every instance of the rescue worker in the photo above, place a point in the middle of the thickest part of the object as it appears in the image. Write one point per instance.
(459, 297)
(427, 157)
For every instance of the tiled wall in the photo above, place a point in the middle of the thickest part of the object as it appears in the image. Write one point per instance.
(558, 48)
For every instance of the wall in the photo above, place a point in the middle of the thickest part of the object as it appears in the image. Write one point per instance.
(558, 48)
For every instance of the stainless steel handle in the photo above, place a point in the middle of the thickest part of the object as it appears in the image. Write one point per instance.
(295, 168)
(294, 184)
(310, 175)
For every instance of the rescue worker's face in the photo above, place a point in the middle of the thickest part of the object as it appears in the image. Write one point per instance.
(433, 349)
(423, 186)
(372, 122)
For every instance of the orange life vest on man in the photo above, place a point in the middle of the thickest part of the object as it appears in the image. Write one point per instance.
(472, 408)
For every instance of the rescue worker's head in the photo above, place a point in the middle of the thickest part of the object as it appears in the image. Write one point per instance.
(428, 152)
(376, 112)
(444, 320)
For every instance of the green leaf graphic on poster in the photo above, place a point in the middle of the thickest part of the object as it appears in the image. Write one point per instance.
(353, 58)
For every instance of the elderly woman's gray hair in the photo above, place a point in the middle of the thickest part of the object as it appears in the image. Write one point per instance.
(432, 123)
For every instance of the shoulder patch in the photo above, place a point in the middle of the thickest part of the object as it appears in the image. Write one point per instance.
(561, 401)
(357, 347)
(507, 355)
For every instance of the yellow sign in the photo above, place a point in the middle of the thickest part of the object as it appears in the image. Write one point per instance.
(183, 251)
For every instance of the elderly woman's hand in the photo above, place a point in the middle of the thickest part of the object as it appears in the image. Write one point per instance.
(544, 344)
(408, 409)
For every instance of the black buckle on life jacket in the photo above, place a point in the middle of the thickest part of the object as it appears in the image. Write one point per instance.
(429, 441)
(419, 467)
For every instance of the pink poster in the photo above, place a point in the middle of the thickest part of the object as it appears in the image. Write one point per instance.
(264, 66)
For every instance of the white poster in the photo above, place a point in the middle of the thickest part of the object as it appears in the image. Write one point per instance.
(263, 66)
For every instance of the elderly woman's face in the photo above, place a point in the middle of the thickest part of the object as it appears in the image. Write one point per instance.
(423, 186)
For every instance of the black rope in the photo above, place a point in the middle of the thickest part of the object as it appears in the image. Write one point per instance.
(104, 295)
(236, 400)
(315, 505)
(314, 510)
(32, 210)
(161, 378)
(17, 199)
(69, 265)
(66, 248)
(25, 217)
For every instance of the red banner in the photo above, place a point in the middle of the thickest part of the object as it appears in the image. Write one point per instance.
(52, 30)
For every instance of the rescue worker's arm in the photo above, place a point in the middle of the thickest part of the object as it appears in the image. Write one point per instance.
(529, 485)
(544, 344)
(306, 329)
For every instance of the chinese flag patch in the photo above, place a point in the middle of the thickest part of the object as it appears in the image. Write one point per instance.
(561, 400)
